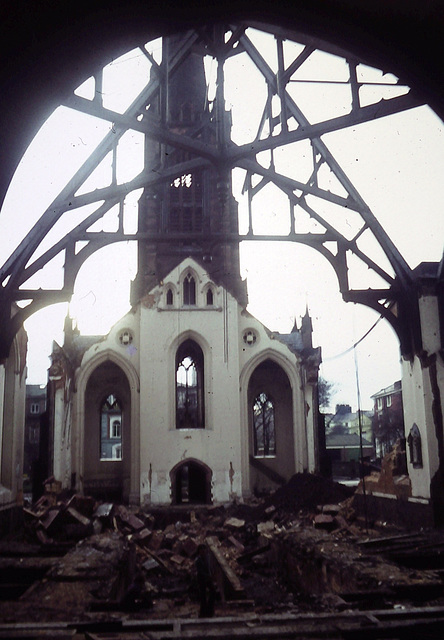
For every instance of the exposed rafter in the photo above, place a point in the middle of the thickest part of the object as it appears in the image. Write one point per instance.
(283, 126)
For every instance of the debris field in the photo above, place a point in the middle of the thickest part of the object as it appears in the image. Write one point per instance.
(300, 549)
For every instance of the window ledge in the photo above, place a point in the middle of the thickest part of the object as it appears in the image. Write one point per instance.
(190, 308)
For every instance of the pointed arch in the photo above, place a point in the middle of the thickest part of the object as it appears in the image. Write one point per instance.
(263, 425)
(191, 481)
(209, 296)
(295, 448)
(131, 420)
(88, 367)
(190, 392)
(190, 337)
(111, 428)
(275, 356)
(189, 282)
(189, 289)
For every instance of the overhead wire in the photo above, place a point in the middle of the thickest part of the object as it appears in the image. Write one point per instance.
(343, 353)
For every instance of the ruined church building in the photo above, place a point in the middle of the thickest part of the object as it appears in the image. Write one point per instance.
(189, 398)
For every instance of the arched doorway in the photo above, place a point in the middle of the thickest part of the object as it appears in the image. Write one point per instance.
(191, 483)
(107, 433)
(271, 427)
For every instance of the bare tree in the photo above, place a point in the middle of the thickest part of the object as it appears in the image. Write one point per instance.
(325, 389)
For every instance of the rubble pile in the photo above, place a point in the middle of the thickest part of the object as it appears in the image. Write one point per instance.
(264, 554)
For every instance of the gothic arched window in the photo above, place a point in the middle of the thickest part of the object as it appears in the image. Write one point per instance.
(263, 426)
(169, 297)
(415, 447)
(189, 386)
(189, 290)
(111, 429)
(210, 297)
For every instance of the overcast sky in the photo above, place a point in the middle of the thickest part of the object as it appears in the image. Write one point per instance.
(396, 164)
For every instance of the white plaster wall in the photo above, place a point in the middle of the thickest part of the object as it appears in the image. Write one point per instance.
(418, 398)
(218, 445)
(130, 352)
(417, 410)
(158, 330)
(429, 316)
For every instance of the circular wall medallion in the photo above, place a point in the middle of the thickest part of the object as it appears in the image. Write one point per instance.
(249, 337)
(125, 337)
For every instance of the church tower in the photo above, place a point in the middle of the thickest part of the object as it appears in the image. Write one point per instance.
(189, 399)
(190, 210)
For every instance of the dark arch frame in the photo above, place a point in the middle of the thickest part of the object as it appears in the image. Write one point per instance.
(190, 416)
(267, 446)
(110, 412)
(405, 37)
(195, 464)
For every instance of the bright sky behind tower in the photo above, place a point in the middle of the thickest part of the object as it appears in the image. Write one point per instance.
(395, 163)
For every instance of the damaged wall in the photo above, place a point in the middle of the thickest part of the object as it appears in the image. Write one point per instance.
(12, 426)
(423, 385)
(137, 363)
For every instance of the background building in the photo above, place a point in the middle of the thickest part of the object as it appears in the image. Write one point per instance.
(343, 440)
(344, 453)
(35, 410)
(388, 418)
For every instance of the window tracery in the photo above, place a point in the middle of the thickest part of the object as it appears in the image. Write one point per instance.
(189, 386)
(415, 447)
(249, 337)
(264, 434)
(111, 429)
(125, 337)
(189, 290)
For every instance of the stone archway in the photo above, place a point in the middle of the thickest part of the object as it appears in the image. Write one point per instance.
(106, 476)
(191, 483)
(272, 457)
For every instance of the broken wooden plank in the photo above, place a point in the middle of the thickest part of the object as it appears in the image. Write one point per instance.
(234, 585)
(150, 554)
